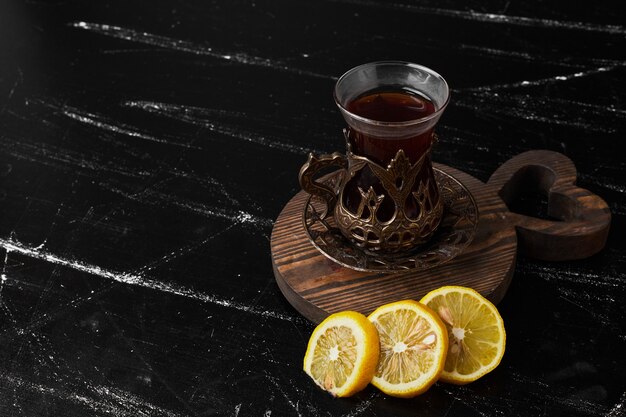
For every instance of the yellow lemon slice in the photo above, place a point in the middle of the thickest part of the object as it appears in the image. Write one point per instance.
(342, 353)
(413, 346)
(475, 330)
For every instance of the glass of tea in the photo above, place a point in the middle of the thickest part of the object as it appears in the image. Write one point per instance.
(388, 199)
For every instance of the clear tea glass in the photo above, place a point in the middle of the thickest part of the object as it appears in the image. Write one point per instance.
(388, 200)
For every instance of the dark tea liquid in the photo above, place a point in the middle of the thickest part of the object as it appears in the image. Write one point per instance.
(389, 106)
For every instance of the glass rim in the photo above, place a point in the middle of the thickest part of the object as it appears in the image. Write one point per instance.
(405, 123)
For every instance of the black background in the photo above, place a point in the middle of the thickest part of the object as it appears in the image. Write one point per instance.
(147, 147)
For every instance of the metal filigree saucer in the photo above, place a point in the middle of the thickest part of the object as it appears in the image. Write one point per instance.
(455, 233)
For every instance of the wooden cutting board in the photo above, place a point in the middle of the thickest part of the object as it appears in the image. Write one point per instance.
(577, 227)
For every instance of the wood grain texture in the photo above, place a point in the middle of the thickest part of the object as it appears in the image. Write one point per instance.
(317, 286)
(579, 220)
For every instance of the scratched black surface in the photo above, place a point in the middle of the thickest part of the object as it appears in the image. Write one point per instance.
(146, 147)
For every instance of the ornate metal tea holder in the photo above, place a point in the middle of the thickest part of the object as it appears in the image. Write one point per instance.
(456, 230)
(321, 272)
(414, 204)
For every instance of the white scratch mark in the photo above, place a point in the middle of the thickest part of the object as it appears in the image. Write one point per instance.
(467, 402)
(237, 408)
(237, 216)
(101, 123)
(536, 114)
(63, 159)
(571, 295)
(495, 18)
(19, 79)
(139, 280)
(497, 406)
(362, 406)
(3, 280)
(204, 180)
(42, 244)
(585, 278)
(3, 275)
(497, 52)
(127, 51)
(543, 81)
(206, 118)
(619, 409)
(131, 401)
(544, 109)
(293, 405)
(562, 61)
(102, 399)
(603, 182)
(268, 413)
(182, 251)
(523, 379)
(190, 47)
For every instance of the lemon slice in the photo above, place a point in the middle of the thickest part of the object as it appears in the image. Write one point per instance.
(413, 346)
(342, 353)
(475, 331)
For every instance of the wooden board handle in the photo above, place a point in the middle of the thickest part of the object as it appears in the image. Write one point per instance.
(582, 218)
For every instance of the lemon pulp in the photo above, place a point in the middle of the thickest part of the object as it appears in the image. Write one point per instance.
(413, 344)
(342, 353)
(475, 330)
